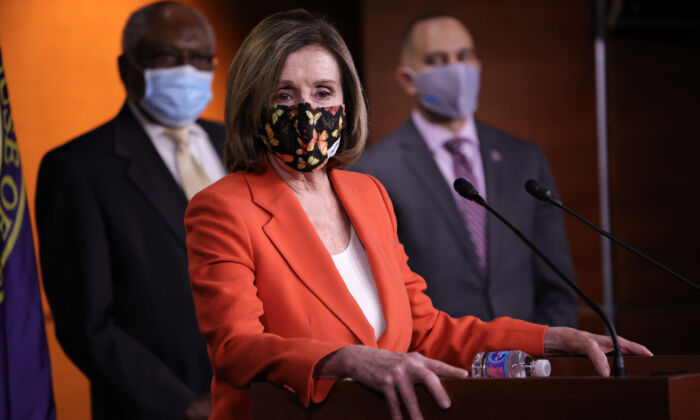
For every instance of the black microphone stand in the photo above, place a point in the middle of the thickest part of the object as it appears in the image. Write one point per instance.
(540, 192)
(467, 190)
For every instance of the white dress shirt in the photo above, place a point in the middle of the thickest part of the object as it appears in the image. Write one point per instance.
(201, 147)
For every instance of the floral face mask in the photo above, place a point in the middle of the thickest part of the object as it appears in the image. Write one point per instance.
(303, 136)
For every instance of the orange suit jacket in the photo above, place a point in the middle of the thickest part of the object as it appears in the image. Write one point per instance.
(271, 304)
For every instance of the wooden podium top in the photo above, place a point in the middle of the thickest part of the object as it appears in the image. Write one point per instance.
(659, 387)
(636, 365)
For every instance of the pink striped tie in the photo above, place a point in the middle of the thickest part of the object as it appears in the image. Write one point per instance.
(474, 215)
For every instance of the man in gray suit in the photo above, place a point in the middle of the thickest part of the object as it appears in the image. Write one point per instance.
(472, 263)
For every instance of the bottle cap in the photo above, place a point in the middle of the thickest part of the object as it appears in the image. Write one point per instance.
(542, 367)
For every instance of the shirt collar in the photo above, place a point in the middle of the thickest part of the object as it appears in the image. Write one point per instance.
(436, 135)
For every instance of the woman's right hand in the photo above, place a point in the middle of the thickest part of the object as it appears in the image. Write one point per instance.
(393, 374)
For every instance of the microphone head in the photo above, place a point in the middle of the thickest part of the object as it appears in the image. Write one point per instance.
(467, 190)
(537, 190)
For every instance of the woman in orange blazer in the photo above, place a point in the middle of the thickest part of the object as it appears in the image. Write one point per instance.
(272, 302)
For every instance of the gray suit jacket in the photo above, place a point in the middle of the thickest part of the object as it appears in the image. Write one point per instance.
(437, 241)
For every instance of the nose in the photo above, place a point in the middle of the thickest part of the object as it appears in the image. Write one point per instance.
(453, 58)
(306, 96)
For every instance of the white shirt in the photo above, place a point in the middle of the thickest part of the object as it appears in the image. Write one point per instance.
(200, 145)
(353, 266)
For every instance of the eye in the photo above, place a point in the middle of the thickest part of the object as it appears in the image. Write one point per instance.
(436, 59)
(161, 57)
(465, 55)
(202, 61)
(283, 96)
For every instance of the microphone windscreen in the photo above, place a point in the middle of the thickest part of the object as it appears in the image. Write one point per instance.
(465, 188)
(537, 190)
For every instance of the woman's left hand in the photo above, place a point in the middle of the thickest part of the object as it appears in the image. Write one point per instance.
(572, 341)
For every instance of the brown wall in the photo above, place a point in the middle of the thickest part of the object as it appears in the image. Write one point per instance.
(537, 83)
(654, 149)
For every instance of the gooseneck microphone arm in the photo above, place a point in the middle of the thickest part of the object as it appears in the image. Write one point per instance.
(541, 192)
(467, 190)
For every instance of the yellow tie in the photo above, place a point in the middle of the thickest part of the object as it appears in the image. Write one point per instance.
(193, 177)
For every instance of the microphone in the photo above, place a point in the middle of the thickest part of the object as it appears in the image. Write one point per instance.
(467, 190)
(541, 192)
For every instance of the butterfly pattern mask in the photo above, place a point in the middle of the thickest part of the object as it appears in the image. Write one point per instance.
(303, 136)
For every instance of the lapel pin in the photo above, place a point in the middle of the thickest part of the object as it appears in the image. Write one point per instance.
(495, 156)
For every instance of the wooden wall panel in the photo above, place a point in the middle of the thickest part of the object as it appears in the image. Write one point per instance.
(654, 149)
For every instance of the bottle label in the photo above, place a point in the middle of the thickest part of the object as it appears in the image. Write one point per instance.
(496, 364)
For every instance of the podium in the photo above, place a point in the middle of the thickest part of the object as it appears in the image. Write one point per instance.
(659, 387)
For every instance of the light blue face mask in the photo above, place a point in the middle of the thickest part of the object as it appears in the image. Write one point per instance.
(451, 91)
(176, 96)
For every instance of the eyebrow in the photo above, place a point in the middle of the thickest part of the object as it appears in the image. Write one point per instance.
(285, 82)
(470, 49)
(317, 82)
(325, 82)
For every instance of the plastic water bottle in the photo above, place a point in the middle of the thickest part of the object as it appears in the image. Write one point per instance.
(508, 364)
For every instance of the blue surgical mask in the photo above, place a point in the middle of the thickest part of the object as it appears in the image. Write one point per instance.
(176, 96)
(451, 91)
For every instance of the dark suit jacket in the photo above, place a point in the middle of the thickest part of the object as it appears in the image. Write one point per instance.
(437, 241)
(114, 262)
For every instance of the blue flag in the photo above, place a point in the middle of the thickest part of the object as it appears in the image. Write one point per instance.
(25, 371)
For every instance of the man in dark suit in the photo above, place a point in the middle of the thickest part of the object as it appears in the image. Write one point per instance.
(110, 208)
(472, 263)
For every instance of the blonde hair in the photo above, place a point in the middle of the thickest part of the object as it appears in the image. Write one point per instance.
(253, 75)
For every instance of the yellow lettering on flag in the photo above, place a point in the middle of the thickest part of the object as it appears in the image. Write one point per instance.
(10, 199)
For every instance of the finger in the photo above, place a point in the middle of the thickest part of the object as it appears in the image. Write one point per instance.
(445, 370)
(597, 356)
(432, 382)
(626, 346)
(407, 391)
(630, 347)
(392, 401)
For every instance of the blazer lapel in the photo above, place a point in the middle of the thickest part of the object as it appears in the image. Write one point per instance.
(292, 233)
(492, 159)
(389, 283)
(148, 173)
(420, 160)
